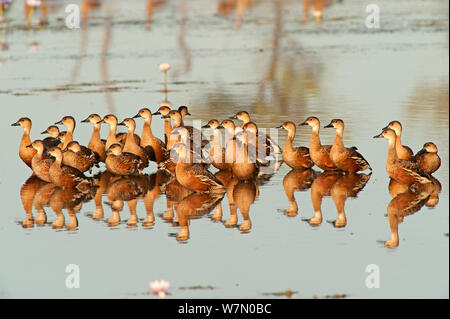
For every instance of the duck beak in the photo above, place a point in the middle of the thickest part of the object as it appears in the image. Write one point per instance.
(15, 124)
(328, 126)
(234, 117)
(29, 146)
(59, 122)
(137, 116)
(165, 116)
(64, 150)
(220, 126)
(45, 132)
(304, 123)
(85, 120)
(156, 113)
(121, 124)
(188, 113)
(379, 135)
(101, 121)
(384, 128)
(279, 126)
(206, 126)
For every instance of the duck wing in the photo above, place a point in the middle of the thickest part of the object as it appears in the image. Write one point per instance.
(359, 159)
(414, 170)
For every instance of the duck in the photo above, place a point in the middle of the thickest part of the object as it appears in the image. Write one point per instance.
(403, 152)
(79, 156)
(244, 164)
(346, 159)
(295, 157)
(147, 137)
(122, 163)
(26, 154)
(62, 136)
(163, 111)
(259, 140)
(194, 176)
(66, 176)
(53, 139)
(428, 158)
(183, 111)
(403, 171)
(131, 145)
(96, 144)
(177, 119)
(69, 122)
(230, 145)
(40, 163)
(112, 138)
(241, 116)
(320, 154)
(273, 147)
(216, 151)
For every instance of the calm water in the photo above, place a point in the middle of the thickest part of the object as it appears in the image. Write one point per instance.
(276, 67)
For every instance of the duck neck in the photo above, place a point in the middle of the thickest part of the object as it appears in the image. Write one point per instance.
(177, 122)
(58, 161)
(130, 136)
(338, 142)
(167, 128)
(112, 131)
(95, 138)
(398, 142)
(315, 144)
(216, 138)
(392, 152)
(289, 140)
(26, 137)
(147, 129)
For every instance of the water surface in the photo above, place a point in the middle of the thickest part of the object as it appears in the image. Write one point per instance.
(278, 68)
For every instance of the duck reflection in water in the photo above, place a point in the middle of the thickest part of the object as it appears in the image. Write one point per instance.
(296, 180)
(406, 201)
(28, 192)
(339, 186)
(129, 189)
(349, 185)
(241, 194)
(194, 206)
(72, 200)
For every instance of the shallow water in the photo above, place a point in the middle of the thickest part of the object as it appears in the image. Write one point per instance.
(278, 69)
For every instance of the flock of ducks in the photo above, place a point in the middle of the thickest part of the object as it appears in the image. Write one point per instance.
(247, 158)
(61, 160)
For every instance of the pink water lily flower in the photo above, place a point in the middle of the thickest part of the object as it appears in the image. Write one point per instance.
(164, 67)
(34, 3)
(159, 287)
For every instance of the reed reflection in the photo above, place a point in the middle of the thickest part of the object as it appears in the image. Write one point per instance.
(296, 180)
(406, 201)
